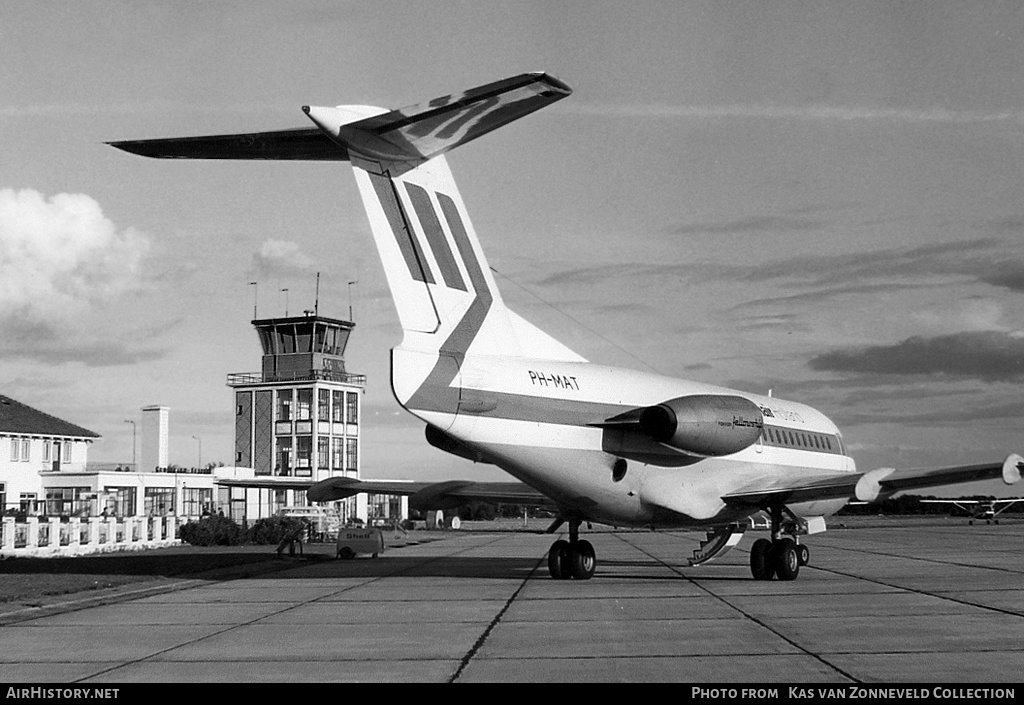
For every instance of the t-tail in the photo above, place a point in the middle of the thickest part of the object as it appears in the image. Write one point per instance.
(443, 288)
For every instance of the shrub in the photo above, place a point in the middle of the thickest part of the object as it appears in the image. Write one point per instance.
(273, 530)
(212, 531)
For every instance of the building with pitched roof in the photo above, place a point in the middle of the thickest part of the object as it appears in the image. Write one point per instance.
(34, 442)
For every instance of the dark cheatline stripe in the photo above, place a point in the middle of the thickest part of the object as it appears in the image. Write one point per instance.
(436, 392)
(435, 236)
(406, 239)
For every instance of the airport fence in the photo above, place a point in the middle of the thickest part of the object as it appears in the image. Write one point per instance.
(56, 536)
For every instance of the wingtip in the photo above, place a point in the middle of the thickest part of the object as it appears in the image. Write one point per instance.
(1011, 468)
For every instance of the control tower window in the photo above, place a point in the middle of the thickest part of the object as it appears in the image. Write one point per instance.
(284, 405)
(338, 409)
(323, 405)
(304, 338)
(305, 407)
(352, 402)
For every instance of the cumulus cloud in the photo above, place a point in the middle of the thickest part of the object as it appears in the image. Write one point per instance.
(60, 255)
(281, 257)
(992, 356)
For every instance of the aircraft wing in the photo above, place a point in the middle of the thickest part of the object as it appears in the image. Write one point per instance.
(425, 496)
(871, 486)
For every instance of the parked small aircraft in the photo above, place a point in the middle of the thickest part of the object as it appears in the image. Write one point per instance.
(602, 444)
(979, 509)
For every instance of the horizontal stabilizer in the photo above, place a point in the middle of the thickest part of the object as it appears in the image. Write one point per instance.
(420, 132)
(305, 143)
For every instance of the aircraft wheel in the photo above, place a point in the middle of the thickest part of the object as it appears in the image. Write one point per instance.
(760, 565)
(582, 560)
(785, 559)
(996, 520)
(803, 554)
(558, 560)
(970, 522)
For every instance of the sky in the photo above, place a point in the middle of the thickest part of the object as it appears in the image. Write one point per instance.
(818, 198)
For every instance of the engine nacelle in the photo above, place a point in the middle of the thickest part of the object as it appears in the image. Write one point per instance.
(704, 424)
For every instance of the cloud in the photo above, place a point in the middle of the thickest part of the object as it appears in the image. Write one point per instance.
(41, 342)
(806, 113)
(991, 356)
(59, 256)
(281, 257)
(762, 223)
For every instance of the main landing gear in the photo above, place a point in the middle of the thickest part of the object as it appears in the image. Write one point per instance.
(780, 557)
(573, 558)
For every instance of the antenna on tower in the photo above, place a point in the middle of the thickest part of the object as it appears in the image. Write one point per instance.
(316, 303)
(350, 299)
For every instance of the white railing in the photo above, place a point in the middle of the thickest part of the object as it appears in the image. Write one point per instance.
(75, 536)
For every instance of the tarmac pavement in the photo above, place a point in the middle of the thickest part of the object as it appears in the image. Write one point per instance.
(888, 601)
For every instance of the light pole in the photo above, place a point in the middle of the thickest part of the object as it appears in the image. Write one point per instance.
(255, 294)
(134, 468)
(285, 292)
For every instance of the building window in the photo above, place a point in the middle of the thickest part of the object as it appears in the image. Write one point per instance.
(159, 501)
(65, 456)
(337, 452)
(305, 409)
(303, 453)
(284, 456)
(26, 446)
(15, 446)
(323, 405)
(197, 501)
(121, 501)
(27, 502)
(351, 454)
(338, 408)
(46, 451)
(284, 405)
(352, 407)
(323, 452)
(68, 501)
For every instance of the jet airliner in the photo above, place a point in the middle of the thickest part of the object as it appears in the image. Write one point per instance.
(600, 444)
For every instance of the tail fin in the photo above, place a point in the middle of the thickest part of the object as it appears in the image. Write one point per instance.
(443, 289)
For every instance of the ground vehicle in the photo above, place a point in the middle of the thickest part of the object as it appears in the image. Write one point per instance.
(353, 541)
(323, 521)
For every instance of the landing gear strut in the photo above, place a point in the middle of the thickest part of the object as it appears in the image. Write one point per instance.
(782, 556)
(573, 558)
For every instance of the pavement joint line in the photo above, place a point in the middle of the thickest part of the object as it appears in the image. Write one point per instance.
(291, 606)
(927, 560)
(936, 594)
(752, 618)
(494, 623)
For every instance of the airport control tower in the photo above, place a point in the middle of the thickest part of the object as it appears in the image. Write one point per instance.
(299, 416)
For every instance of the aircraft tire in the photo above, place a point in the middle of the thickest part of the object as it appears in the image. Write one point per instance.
(558, 560)
(785, 559)
(803, 554)
(582, 560)
(761, 566)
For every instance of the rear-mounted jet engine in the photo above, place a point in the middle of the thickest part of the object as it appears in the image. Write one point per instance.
(704, 424)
